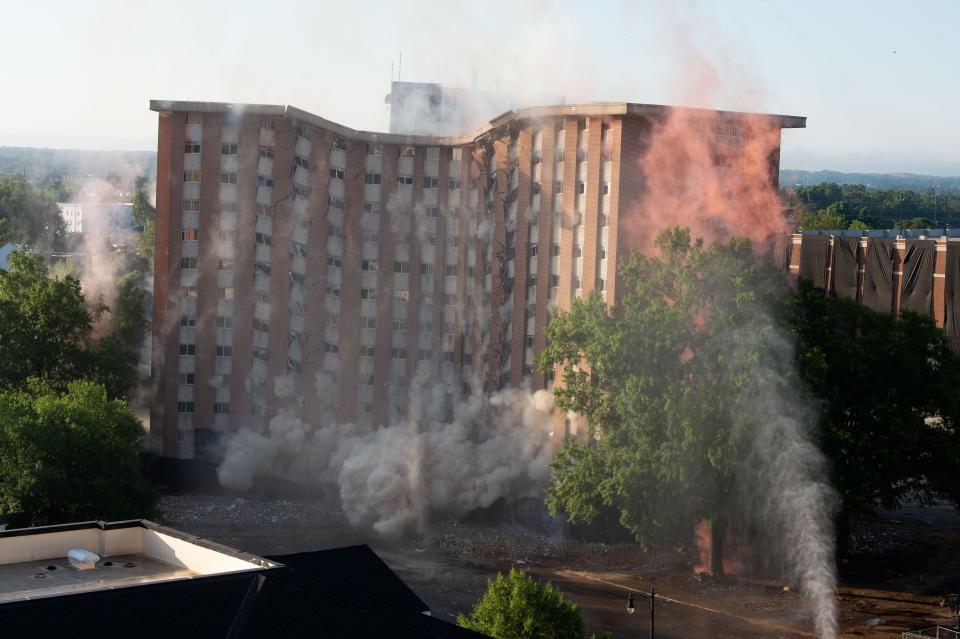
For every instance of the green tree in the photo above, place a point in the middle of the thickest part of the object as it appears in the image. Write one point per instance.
(69, 457)
(823, 219)
(31, 216)
(661, 375)
(519, 607)
(46, 328)
(144, 215)
(859, 225)
(889, 409)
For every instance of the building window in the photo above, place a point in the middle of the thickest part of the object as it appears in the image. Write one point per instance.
(398, 353)
(430, 182)
(426, 269)
(333, 291)
(555, 250)
(577, 250)
(225, 293)
(371, 207)
(450, 270)
(374, 149)
(455, 155)
(188, 291)
(227, 236)
(221, 408)
(372, 237)
(336, 173)
(265, 152)
(367, 321)
(262, 296)
(224, 322)
(368, 293)
(367, 351)
(424, 354)
(554, 280)
(581, 187)
(184, 407)
(368, 265)
(190, 235)
(297, 278)
(191, 147)
(188, 262)
(263, 238)
(404, 180)
(188, 320)
(301, 190)
(188, 349)
(330, 347)
(335, 201)
(191, 176)
(372, 178)
(228, 207)
(408, 152)
(558, 187)
(224, 265)
(266, 123)
(186, 379)
(339, 143)
(228, 149)
(431, 211)
(262, 180)
(605, 188)
(302, 162)
(261, 325)
(334, 261)
(453, 184)
(191, 206)
(298, 250)
(262, 268)
(260, 354)
(224, 350)
(228, 178)
(604, 220)
(401, 267)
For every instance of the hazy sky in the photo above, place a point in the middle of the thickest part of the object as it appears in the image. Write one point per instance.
(877, 79)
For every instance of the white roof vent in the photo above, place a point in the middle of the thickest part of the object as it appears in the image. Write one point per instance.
(83, 559)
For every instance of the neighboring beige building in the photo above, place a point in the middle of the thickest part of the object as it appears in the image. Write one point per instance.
(296, 256)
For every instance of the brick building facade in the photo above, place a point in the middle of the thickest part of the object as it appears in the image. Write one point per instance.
(300, 260)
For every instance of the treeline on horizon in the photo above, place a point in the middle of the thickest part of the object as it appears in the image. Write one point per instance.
(855, 206)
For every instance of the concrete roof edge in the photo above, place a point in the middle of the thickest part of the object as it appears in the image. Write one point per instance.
(529, 113)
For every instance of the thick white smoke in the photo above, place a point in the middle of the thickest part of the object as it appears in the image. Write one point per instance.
(784, 480)
(453, 454)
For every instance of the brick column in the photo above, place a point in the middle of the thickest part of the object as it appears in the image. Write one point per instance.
(939, 282)
(207, 280)
(350, 286)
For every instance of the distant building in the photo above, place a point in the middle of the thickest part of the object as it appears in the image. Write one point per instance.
(112, 219)
(890, 271)
(424, 108)
(139, 579)
(5, 252)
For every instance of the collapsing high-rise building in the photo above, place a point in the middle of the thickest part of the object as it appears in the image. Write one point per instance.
(291, 249)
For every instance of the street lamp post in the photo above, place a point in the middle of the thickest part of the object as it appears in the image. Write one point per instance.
(652, 597)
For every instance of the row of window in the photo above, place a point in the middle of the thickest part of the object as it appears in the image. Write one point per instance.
(219, 408)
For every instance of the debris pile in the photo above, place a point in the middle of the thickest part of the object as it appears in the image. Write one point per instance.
(192, 508)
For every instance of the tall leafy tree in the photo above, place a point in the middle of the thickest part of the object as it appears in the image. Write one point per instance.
(46, 328)
(889, 409)
(144, 214)
(661, 376)
(69, 456)
(28, 215)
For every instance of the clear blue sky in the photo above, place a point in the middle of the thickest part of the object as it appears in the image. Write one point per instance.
(79, 74)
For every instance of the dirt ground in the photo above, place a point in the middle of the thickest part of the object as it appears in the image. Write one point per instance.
(902, 558)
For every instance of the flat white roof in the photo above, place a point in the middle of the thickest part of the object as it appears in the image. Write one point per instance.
(33, 561)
